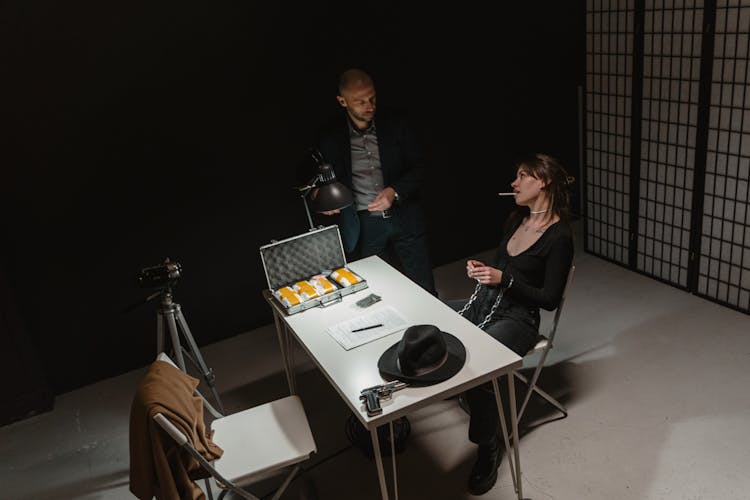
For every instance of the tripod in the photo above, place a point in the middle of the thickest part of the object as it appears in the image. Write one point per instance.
(171, 313)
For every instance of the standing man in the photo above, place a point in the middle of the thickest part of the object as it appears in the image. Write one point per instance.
(382, 162)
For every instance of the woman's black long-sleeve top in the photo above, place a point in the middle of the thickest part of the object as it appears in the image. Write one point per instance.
(539, 274)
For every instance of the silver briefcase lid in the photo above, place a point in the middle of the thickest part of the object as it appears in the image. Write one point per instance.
(299, 257)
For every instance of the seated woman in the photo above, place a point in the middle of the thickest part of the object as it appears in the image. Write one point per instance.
(529, 271)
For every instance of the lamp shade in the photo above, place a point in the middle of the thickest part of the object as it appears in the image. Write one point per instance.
(334, 196)
(331, 195)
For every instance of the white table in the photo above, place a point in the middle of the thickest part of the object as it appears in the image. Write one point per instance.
(351, 371)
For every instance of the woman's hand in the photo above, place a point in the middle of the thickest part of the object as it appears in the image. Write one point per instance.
(471, 265)
(485, 275)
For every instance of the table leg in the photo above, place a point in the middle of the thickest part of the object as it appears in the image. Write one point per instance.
(515, 472)
(284, 345)
(290, 357)
(514, 427)
(393, 461)
(379, 463)
(504, 430)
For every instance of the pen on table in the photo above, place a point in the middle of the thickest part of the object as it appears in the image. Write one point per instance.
(506, 194)
(366, 328)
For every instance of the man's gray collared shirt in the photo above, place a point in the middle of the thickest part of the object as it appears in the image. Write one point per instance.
(367, 174)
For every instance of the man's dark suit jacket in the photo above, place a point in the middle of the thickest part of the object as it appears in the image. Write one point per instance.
(402, 160)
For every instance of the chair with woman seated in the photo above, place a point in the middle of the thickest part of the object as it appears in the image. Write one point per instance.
(543, 345)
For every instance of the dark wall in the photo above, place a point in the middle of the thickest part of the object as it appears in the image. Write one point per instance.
(143, 131)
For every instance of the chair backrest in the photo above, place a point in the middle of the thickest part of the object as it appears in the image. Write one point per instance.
(173, 431)
(213, 411)
(544, 345)
(553, 329)
(163, 357)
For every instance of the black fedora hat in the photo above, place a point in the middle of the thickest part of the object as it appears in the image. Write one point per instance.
(424, 355)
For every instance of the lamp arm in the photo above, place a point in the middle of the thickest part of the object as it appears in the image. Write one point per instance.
(304, 191)
(307, 211)
(311, 184)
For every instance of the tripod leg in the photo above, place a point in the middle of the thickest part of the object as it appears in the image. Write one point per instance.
(175, 340)
(159, 332)
(195, 356)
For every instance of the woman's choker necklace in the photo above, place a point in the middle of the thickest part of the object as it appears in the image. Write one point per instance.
(539, 211)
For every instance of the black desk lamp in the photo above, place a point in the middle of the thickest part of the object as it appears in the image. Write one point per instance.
(330, 195)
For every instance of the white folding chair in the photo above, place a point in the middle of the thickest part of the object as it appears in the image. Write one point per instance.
(258, 443)
(543, 345)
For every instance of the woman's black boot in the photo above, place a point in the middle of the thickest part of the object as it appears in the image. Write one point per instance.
(484, 472)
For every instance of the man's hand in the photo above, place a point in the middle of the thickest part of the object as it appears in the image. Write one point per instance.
(383, 200)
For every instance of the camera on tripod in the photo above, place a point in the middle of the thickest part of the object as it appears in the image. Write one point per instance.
(161, 276)
(171, 324)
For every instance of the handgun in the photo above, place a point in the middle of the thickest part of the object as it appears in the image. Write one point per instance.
(371, 396)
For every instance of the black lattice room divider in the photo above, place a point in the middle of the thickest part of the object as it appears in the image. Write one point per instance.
(608, 119)
(667, 142)
(724, 261)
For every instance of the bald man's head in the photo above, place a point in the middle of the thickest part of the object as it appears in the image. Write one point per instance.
(357, 96)
(354, 78)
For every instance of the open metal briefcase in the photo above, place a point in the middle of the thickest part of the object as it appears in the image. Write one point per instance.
(309, 270)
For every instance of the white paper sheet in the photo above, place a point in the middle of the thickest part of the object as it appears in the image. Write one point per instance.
(390, 319)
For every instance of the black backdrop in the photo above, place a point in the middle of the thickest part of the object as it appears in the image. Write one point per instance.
(139, 131)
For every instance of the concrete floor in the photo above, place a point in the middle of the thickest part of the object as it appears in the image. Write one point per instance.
(655, 379)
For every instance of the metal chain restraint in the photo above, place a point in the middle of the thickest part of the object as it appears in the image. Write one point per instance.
(494, 306)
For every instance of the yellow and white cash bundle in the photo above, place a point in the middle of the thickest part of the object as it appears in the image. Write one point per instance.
(304, 290)
(288, 296)
(322, 284)
(345, 277)
(315, 287)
